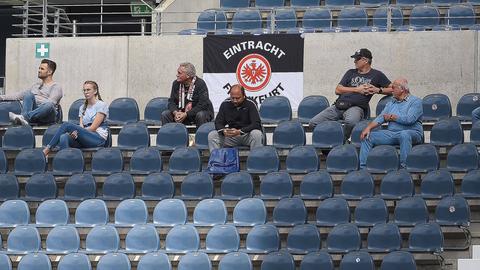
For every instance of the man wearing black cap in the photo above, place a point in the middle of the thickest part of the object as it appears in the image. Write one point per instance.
(355, 91)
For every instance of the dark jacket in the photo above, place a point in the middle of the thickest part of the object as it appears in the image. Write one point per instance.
(244, 117)
(200, 99)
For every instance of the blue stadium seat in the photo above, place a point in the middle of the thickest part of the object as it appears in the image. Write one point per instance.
(171, 136)
(170, 212)
(463, 158)
(23, 239)
(397, 185)
(90, 213)
(437, 184)
(182, 239)
(210, 212)
(446, 132)
(40, 187)
(466, 105)
(453, 211)
(303, 239)
(236, 186)
(435, 106)
(339, 2)
(425, 237)
(445, 2)
(249, 212)
(280, 260)
(263, 239)
(3, 162)
(74, 261)
(133, 136)
(9, 106)
(269, 3)
(423, 158)
(263, 159)
(234, 3)
(356, 131)
(235, 261)
(14, 213)
(352, 17)
(357, 260)
(342, 158)
(374, 2)
(464, 16)
(68, 161)
(475, 133)
(122, 111)
(317, 18)
(222, 239)
(131, 212)
(384, 238)
(195, 261)
(398, 260)
(201, 135)
(18, 138)
(371, 211)
(118, 186)
(147, 160)
(289, 212)
(10, 188)
(114, 261)
(384, 100)
(382, 159)
(332, 211)
(184, 160)
(344, 238)
(63, 240)
(275, 110)
(304, 3)
(316, 186)
(30, 162)
(311, 105)
(474, 2)
(142, 239)
(289, 134)
(153, 110)
(410, 2)
(247, 19)
(317, 260)
(102, 239)
(276, 186)
(49, 133)
(197, 186)
(5, 262)
(189, 32)
(471, 184)
(285, 18)
(35, 261)
(52, 213)
(74, 110)
(153, 261)
(107, 161)
(327, 135)
(211, 20)
(157, 186)
(357, 185)
(410, 211)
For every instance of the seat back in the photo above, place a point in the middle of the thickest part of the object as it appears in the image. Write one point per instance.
(235, 261)
(170, 212)
(410, 211)
(63, 239)
(237, 185)
(133, 136)
(371, 211)
(234, 3)
(382, 159)
(195, 261)
(222, 239)
(357, 260)
(9, 106)
(344, 238)
(29, 162)
(471, 184)
(10, 188)
(131, 212)
(398, 260)
(275, 109)
(102, 239)
(263, 159)
(397, 184)
(289, 134)
(211, 20)
(317, 18)
(446, 132)
(380, 20)
(303, 239)
(317, 260)
(467, 102)
(327, 135)
(91, 212)
(41, 187)
(52, 213)
(357, 184)
(119, 186)
(142, 238)
(74, 261)
(342, 158)
(280, 260)
(146, 160)
(14, 213)
(426, 237)
(453, 211)
(247, 19)
(37, 261)
(317, 185)
(263, 238)
(24, 239)
(68, 161)
(198, 185)
(352, 17)
(289, 212)
(114, 261)
(201, 135)
(153, 110)
(158, 186)
(107, 161)
(49, 133)
(423, 158)
(463, 158)
(182, 238)
(249, 212)
(122, 111)
(437, 184)
(435, 106)
(184, 161)
(424, 16)
(74, 111)
(276, 185)
(311, 105)
(18, 138)
(154, 260)
(384, 237)
(210, 212)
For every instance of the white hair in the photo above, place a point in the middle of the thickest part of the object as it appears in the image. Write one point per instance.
(189, 69)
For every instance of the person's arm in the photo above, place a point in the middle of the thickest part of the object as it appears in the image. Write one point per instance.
(203, 100)
(80, 122)
(14, 96)
(342, 89)
(172, 105)
(56, 93)
(97, 121)
(220, 118)
(254, 116)
(366, 132)
(414, 113)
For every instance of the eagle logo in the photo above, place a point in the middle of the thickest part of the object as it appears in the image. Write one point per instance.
(254, 72)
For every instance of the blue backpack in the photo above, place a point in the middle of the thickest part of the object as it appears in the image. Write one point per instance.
(223, 161)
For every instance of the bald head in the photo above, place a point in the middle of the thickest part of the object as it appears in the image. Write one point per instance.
(237, 94)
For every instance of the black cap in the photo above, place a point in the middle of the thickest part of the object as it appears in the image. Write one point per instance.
(362, 53)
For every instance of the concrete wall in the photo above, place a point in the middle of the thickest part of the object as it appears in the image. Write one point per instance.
(144, 67)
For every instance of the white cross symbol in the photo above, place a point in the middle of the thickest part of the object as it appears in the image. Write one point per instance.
(42, 50)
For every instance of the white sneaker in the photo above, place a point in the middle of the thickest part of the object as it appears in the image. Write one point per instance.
(12, 116)
(20, 120)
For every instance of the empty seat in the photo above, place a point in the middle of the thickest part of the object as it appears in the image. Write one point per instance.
(285, 19)
(74, 261)
(247, 19)
(357, 185)
(263, 239)
(234, 3)
(107, 161)
(80, 187)
(327, 135)
(339, 2)
(73, 111)
(184, 160)
(373, 2)
(195, 261)
(410, 211)
(382, 159)
(90, 213)
(453, 211)
(114, 261)
(278, 261)
(63, 240)
(380, 20)
(275, 110)
(210, 20)
(342, 158)
(303, 239)
(170, 212)
(333, 211)
(249, 212)
(396, 185)
(435, 106)
(23, 239)
(311, 105)
(171, 136)
(289, 212)
(471, 184)
(317, 260)
(371, 211)
(357, 260)
(423, 158)
(157, 186)
(68, 161)
(142, 238)
(155, 260)
(398, 260)
(289, 134)
(475, 133)
(102, 239)
(235, 261)
(276, 185)
(426, 237)
(122, 111)
(269, 3)
(263, 159)
(210, 212)
(461, 15)
(9, 106)
(49, 134)
(356, 131)
(146, 160)
(197, 186)
(118, 186)
(222, 239)
(153, 110)
(467, 102)
(316, 186)
(10, 188)
(463, 158)
(437, 184)
(236, 186)
(29, 162)
(344, 238)
(131, 212)
(182, 239)
(133, 136)
(40, 187)
(352, 17)
(52, 213)
(18, 138)
(14, 213)
(201, 135)
(317, 18)
(35, 261)
(384, 238)
(446, 132)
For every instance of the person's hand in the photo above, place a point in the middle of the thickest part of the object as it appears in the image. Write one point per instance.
(180, 117)
(74, 134)
(365, 133)
(390, 117)
(372, 89)
(231, 132)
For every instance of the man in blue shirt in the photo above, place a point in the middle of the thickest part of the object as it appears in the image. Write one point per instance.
(403, 115)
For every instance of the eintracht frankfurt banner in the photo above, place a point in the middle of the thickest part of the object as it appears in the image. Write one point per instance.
(266, 65)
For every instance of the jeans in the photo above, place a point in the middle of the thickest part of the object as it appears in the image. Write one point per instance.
(43, 114)
(252, 139)
(386, 137)
(351, 117)
(200, 118)
(85, 138)
(475, 115)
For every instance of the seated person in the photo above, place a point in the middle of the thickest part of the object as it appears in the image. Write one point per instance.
(403, 115)
(189, 102)
(40, 101)
(92, 130)
(237, 122)
(475, 115)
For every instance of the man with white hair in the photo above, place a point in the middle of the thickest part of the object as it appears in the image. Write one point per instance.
(403, 115)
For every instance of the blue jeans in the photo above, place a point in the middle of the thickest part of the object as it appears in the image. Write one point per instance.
(386, 137)
(475, 115)
(43, 114)
(351, 117)
(85, 138)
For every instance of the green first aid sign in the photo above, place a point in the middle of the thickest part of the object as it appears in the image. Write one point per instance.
(139, 9)
(42, 50)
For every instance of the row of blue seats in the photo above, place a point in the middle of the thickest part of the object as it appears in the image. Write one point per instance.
(227, 4)
(397, 260)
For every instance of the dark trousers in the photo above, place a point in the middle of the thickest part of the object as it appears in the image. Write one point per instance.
(200, 118)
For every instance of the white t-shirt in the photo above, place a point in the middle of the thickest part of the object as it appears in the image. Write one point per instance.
(91, 112)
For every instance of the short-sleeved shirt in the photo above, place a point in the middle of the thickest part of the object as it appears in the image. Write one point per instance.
(353, 78)
(91, 112)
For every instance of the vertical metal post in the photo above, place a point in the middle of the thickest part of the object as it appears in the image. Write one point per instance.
(44, 18)
(389, 19)
(142, 26)
(56, 29)
(158, 25)
(74, 28)
(101, 17)
(26, 7)
(272, 21)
